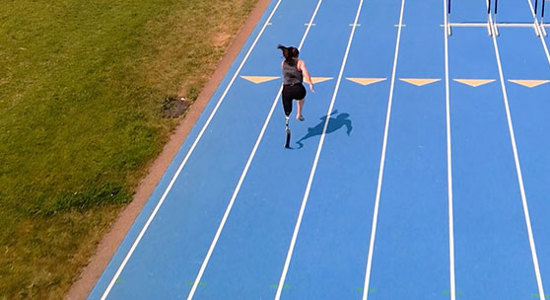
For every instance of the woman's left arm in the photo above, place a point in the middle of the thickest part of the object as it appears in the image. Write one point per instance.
(302, 67)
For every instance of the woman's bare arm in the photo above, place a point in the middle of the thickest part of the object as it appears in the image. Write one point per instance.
(302, 67)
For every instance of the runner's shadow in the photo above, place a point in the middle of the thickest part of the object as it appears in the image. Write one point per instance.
(334, 123)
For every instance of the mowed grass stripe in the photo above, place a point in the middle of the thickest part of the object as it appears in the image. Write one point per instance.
(81, 91)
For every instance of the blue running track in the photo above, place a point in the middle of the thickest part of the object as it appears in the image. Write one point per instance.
(421, 171)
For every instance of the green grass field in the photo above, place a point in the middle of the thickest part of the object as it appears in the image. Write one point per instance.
(82, 85)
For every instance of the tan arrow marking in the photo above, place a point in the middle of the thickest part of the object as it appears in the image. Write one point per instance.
(365, 81)
(474, 82)
(529, 83)
(259, 79)
(419, 81)
(320, 79)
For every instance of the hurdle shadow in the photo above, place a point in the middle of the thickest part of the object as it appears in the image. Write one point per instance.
(335, 122)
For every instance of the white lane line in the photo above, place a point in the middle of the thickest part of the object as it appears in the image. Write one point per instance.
(449, 163)
(245, 171)
(518, 172)
(382, 159)
(197, 139)
(316, 160)
(540, 35)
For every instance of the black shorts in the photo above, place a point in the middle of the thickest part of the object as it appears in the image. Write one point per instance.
(292, 92)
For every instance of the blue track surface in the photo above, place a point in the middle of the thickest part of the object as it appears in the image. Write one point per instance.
(407, 180)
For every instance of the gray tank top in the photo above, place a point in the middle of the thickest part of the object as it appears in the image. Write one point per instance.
(291, 74)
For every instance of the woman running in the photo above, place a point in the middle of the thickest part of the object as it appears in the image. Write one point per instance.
(294, 71)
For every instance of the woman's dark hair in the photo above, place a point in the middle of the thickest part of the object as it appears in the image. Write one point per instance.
(290, 53)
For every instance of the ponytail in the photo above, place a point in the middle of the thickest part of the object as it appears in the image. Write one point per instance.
(290, 54)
